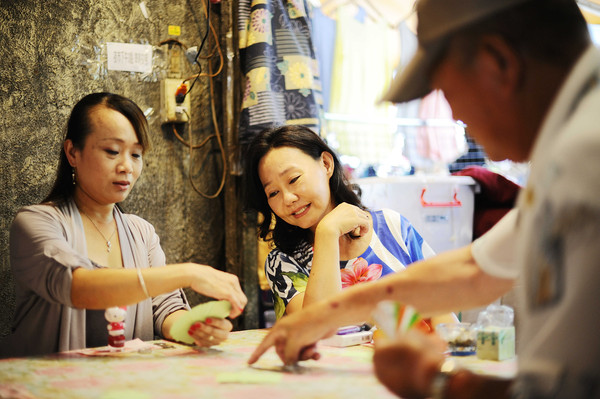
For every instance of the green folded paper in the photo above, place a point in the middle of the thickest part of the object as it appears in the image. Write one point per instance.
(216, 309)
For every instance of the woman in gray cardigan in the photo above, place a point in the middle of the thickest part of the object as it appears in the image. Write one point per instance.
(77, 253)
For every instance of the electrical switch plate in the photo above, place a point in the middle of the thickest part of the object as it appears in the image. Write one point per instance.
(170, 111)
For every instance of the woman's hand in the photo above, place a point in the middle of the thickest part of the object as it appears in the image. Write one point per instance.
(211, 332)
(329, 245)
(344, 219)
(219, 285)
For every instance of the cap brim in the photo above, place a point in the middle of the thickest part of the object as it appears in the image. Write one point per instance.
(413, 81)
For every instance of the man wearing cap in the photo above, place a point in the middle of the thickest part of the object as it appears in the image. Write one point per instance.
(525, 78)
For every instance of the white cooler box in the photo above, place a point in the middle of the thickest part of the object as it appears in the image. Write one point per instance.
(440, 207)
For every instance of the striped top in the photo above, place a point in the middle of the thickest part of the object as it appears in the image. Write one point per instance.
(394, 245)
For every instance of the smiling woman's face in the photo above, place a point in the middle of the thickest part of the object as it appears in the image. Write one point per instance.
(111, 160)
(297, 186)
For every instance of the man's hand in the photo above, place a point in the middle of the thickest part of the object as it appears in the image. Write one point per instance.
(406, 365)
(295, 336)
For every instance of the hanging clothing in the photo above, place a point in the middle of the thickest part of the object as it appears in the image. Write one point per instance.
(365, 55)
(324, 29)
(439, 144)
(280, 67)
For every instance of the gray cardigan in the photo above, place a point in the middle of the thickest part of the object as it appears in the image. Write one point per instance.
(46, 244)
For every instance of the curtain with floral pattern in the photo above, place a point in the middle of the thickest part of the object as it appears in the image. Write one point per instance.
(279, 63)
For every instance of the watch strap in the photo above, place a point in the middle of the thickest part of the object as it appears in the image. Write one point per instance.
(440, 379)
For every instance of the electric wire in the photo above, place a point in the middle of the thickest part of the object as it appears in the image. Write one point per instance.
(190, 144)
(219, 141)
(208, 24)
(216, 48)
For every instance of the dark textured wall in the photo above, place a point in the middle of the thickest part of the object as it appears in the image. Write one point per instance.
(51, 54)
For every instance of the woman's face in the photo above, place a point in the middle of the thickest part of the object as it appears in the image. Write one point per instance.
(297, 186)
(111, 160)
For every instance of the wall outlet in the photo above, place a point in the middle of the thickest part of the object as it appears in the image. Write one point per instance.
(170, 111)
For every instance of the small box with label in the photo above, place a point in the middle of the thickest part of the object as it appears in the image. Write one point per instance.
(496, 343)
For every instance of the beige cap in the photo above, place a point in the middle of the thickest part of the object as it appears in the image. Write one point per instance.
(437, 19)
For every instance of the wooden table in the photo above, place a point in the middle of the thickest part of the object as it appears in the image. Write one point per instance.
(173, 371)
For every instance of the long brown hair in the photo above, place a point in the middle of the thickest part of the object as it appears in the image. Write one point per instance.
(285, 236)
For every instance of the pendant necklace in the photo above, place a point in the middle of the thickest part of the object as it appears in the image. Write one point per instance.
(108, 244)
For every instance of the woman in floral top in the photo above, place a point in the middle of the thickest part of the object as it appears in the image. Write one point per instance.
(324, 238)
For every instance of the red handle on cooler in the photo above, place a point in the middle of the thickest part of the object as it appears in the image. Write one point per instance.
(455, 203)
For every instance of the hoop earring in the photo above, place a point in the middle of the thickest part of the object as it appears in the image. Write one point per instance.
(73, 176)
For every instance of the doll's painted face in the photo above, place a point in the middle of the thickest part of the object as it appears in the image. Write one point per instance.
(115, 314)
(297, 186)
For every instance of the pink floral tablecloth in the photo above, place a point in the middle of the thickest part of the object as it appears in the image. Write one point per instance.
(172, 371)
(166, 370)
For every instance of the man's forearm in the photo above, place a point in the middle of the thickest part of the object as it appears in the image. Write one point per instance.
(447, 282)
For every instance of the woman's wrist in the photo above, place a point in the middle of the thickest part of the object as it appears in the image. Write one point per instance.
(179, 275)
(324, 231)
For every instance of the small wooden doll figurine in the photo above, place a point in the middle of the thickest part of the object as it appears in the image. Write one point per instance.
(116, 326)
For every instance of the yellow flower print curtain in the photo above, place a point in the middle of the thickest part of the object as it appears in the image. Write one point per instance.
(278, 61)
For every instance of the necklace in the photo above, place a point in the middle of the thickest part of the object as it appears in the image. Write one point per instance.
(108, 244)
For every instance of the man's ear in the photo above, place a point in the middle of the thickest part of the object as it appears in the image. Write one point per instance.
(327, 162)
(502, 62)
(70, 151)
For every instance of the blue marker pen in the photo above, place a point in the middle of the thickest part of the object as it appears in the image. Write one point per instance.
(348, 330)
